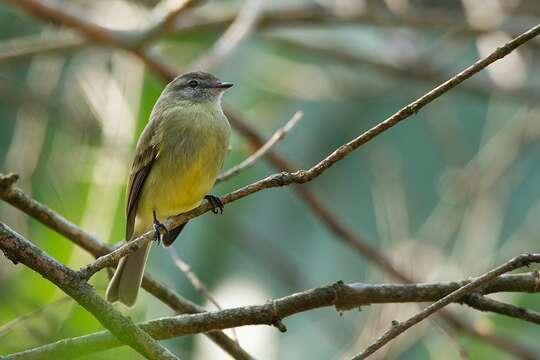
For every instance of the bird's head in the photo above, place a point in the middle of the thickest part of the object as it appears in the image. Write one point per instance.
(197, 87)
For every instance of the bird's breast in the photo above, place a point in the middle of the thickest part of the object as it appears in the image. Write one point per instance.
(190, 157)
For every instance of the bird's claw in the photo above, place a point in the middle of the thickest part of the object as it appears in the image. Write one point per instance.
(216, 203)
(158, 227)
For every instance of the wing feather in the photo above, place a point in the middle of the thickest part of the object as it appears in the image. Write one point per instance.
(145, 156)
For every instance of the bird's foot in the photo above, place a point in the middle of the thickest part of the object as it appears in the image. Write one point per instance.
(216, 203)
(158, 227)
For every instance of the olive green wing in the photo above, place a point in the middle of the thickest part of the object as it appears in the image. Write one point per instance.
(145, 157)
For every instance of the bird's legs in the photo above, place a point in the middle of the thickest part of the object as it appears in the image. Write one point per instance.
(216, 203)
(158, 227)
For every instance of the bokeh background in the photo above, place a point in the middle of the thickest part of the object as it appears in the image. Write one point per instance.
(445, 195)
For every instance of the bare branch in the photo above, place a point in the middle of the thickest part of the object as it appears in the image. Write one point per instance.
(185, 268)
(263, 150)
(192, 277)
(48, 217)
(109, 260)
(341, 296)
(483, 303)
(18, 249)
(399, 327)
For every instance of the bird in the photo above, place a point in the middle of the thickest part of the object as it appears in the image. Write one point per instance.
(177, 160)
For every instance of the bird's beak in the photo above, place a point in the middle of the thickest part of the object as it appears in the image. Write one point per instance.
(221, 85)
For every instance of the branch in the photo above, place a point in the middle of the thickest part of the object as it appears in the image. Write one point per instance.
(48, 217)
(339, 295)
(242, 126)
(400, 327)
(482, 303)
(185, 268)
(18, 249)
(304, 176)
(51, 219)
(317, 207)
(109, 260)
(113, 257)
(194, 280)
(263, 150)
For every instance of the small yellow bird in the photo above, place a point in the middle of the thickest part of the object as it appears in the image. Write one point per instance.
(177, 160)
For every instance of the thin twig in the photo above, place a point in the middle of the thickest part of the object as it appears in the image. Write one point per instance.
(240, 28)
(483, 303)
(263, 150)
(339, 295)
(109, 260)
(194, 280)
(192, 277)
(20, 250)
(400, 327)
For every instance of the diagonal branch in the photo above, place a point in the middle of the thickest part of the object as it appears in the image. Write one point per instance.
(399, 327)
(278, 135)
(18, 249)
(483, 303)
(185, 268)
(201, 288)
(339, 295)
(46, 216)
(304, 176)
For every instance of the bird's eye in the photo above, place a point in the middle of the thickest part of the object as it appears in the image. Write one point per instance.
(193, 83)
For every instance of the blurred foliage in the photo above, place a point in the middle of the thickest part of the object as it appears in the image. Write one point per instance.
(447, 194)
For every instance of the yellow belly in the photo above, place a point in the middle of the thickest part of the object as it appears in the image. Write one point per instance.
(172, 189)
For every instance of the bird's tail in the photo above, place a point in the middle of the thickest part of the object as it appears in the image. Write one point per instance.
(125, 284)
